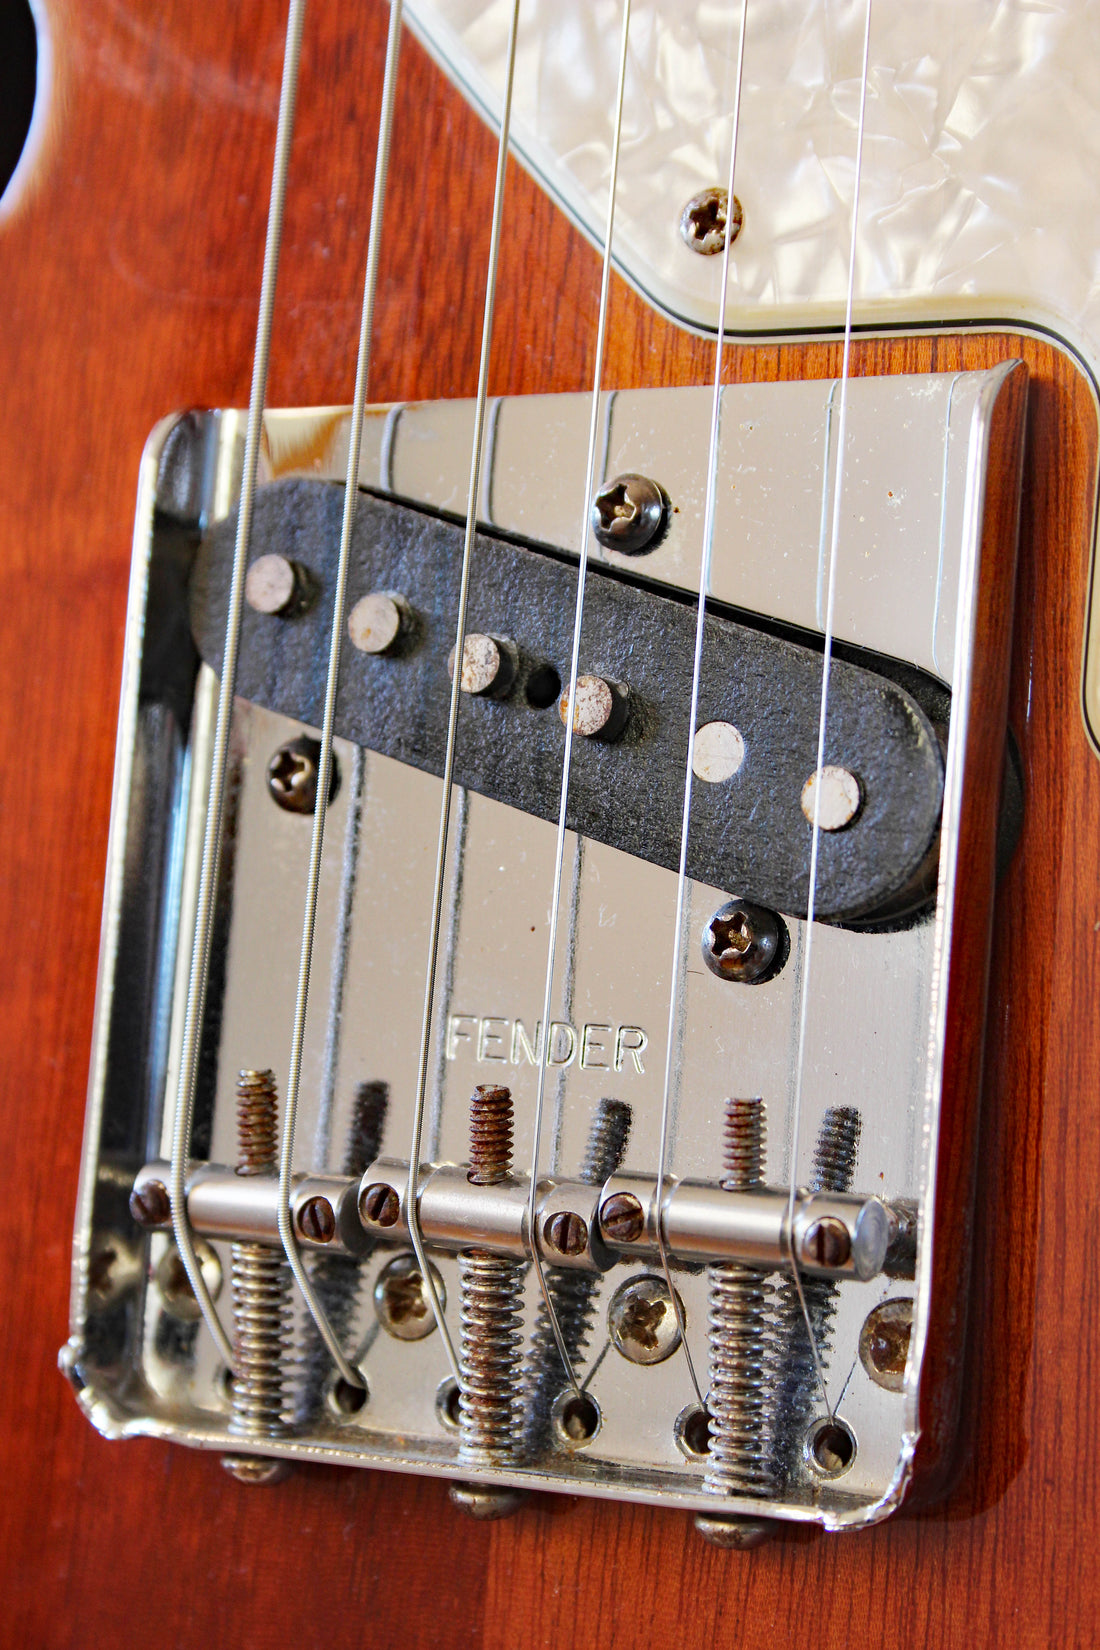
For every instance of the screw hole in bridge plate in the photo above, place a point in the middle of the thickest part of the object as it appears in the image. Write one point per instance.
(543, 687)
(344, 1400)
(446, 1403)
(576, 1419)
(830, 1447)
(692, 1433)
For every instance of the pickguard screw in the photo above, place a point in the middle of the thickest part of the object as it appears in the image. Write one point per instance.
(379, 1205)
(491, 1294)
(601, 708)
(566, 1233)
(630, 514)
(884, 1343)
(261, 1289)
(489, 665)
(401, 1300)
(292, 775)
(705, 218)
(316, 1221)
(379, 623)
(622, 1218)
(150, 1204)
(741, 1350)
(744, 942)
(641, 1321)
(275, 585)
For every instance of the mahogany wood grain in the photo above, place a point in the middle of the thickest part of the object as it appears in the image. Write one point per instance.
(128, 279)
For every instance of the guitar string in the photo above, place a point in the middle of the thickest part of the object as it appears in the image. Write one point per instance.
(574, 669)
(212, 832)
(412, 1213)
(689, 773)
(830, 613)
(287, 1234)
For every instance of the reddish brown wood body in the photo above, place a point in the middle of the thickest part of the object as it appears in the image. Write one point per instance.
(128, 275)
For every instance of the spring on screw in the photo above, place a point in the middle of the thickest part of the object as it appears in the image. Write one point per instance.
(798, 1395)
(261, 1281)
(572, 1292)
(740, 1338)
(491, 1290)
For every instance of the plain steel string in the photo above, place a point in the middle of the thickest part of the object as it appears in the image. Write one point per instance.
(834, 539)
(324, 766)
(412, 1212)
(689, 775)
(574, 667)
(212, 833)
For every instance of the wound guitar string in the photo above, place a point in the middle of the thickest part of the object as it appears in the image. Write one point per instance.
(574, 669)
(212, 832)
(476, 455)
(287, 1234)
(689, 772)
(830, 611)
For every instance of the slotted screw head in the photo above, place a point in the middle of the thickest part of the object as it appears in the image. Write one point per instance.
(566, 1233)
(292, 775)
(379, 1205)
(705, 218)
(827, 1242)
(742, 942)
(150, 1204)
(629, 514)
(622, 1218)
(316, 1221)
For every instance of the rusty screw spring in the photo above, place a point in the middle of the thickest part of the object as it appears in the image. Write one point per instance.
(491, 1292)
(741, 1345)
(261, 1280)
(572, 1292)
(798, 1394)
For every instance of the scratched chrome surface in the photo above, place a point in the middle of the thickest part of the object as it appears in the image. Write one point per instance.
(907, 561)
(981, 173)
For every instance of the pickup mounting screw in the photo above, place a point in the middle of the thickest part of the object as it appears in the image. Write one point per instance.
(292, 775)
(630, 515)
(601, 708)
(489, 665)
(705, 218)
(744, 942)
(276, 585)
(378, 622)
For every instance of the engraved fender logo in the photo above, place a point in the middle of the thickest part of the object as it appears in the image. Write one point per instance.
(594, 1046)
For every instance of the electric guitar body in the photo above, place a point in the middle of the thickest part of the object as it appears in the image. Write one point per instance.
(132, 240)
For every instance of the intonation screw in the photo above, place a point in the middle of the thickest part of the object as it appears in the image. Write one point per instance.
(261, 1292)
(799, 1396)
(740, 1460)
(572, 1292)
(490, 1294)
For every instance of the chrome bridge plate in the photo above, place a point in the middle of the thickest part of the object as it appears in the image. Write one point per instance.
(909, 551)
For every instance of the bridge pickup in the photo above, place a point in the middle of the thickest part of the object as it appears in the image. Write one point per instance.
(750, 830)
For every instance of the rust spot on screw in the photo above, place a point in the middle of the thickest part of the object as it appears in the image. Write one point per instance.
(316, 1220)
(566, 1233)
(490, 1135)
(379, 1205)
(149, 1204)
(622, 1218)
(827, 1243)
